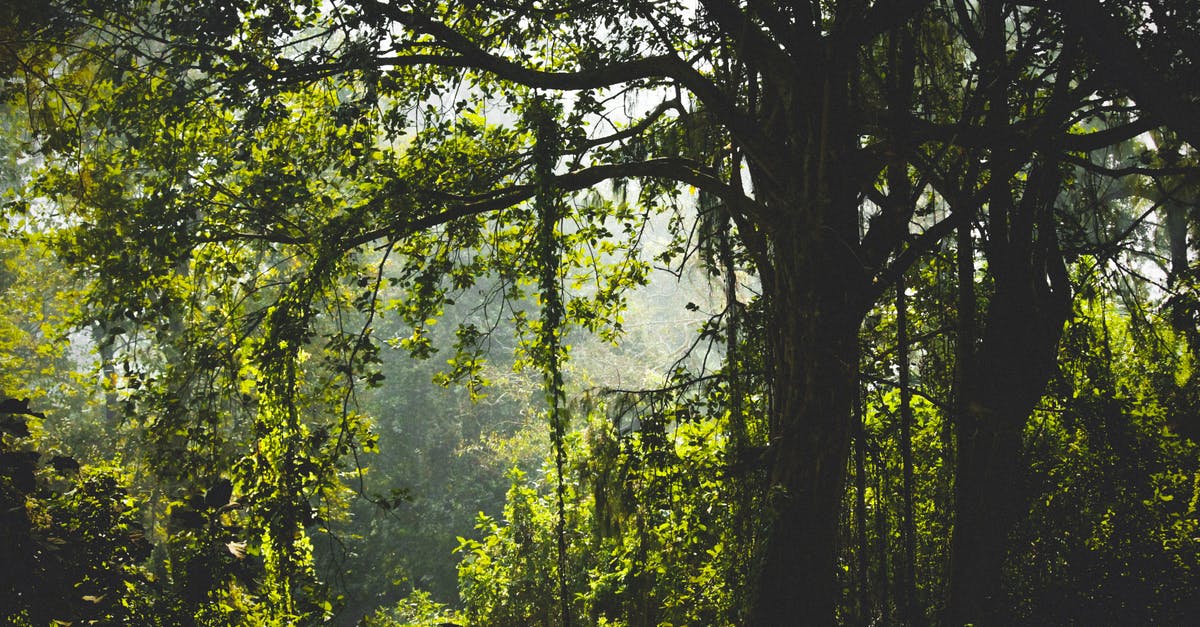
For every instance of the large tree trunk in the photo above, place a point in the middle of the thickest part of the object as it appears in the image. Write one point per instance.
(817, 289)
(1002, 381)
(816, 312)
(1015, 360)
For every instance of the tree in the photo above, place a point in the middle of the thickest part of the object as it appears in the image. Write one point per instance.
(1015, 357)
(798, 132)
(295, 149)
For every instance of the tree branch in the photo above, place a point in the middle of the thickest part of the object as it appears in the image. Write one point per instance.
(1086, 142)
(675, 169)
(758, 48)
(1105, 38)
(922, 244)
(468, 54)
(471, 54)
(633, 130)
(881, 16)
(1121, 172)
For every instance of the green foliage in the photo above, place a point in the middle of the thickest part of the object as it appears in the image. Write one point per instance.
(652, 539)
(1111, 534)
(882, 473)
(416, 610)
(254, 208)
(71, 537)
(441, 459)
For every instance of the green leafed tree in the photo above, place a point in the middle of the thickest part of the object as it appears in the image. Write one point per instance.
(242, 179)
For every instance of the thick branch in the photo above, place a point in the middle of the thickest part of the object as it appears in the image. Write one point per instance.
(798, 38)
(471, 54)
(468, 54)
(1105, 38)
(1121, 172)
(632, 131)
(1086, 142)
(756, 47)
(922, 244)
(881, 16)
(675, 169)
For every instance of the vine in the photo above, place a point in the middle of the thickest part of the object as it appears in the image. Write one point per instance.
(545, 154)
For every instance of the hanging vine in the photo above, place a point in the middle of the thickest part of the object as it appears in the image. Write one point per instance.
(548, 203)
(270, 479)
(280, 476)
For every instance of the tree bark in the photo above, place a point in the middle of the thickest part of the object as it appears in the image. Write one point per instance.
(1014, 363)
(817, 288)
(816, 314)
(1000, 384)
(908, 601)
(814, 397)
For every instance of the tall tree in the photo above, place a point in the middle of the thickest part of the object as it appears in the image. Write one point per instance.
(297, 139)
(792, 112)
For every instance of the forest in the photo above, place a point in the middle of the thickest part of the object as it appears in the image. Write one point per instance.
(600, 312)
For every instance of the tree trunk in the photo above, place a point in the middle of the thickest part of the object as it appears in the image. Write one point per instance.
(813, 399)
(1015, 360)
(1002, 381)
(814, 341)
(860, 510)
(816, 289)
(908, 529)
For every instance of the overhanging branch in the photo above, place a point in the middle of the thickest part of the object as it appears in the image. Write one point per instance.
(681, 170)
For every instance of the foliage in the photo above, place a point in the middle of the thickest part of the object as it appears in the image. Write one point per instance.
(73, 539)
(1111, 535)
(417, 609)
(246, 212)
(442, 459)
(652, 533)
